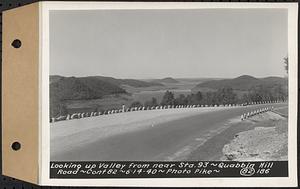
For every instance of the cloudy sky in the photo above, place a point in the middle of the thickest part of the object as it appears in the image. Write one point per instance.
(162, 43)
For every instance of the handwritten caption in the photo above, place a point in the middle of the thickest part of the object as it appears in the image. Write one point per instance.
(159, 169)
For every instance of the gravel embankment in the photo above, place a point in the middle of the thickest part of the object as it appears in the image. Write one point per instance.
(260, 143)
(242, 138)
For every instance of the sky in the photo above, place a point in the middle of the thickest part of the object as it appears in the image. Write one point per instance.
(148, 44)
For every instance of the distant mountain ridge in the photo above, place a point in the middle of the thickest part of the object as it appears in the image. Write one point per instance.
(166, 80)
(243, 83)
(130, 82)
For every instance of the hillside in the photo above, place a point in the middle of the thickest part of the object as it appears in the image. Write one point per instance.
(55, 78)
(75, 88)
(111, 80)
(275, 80)
(65, 89)
(242, 83)
(166, 80)
(72, 88)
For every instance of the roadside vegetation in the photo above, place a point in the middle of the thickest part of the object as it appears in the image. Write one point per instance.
(222, 96)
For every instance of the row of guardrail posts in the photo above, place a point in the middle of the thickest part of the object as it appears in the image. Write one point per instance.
(143, 108)
(256, 112)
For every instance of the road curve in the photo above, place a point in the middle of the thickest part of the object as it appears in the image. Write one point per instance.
(163, 141)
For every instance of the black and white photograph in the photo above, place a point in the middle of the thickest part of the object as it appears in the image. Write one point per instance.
(169, 85)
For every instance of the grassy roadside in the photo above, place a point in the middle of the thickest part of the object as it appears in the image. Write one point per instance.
(262, 137)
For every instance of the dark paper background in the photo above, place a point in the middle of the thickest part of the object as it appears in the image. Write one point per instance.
(11, 183)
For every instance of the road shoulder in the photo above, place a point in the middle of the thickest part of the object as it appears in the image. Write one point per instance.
(262, 137)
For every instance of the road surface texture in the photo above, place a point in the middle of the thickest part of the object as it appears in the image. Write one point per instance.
(170, 139)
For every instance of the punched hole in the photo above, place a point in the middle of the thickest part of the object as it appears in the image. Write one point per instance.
(16, 146)
(16, 43)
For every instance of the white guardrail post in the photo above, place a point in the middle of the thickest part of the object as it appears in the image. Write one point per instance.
(142, 108)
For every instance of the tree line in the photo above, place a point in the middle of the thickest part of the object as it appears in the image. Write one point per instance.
(223, 96)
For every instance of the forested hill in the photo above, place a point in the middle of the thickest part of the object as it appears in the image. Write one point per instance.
(243, 83)
(85, 88)
(91, 87)
(72, 88)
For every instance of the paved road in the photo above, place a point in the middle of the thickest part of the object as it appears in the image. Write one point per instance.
(166, 141)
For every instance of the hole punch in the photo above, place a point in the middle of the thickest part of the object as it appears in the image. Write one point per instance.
(16, 146)
(16, 43)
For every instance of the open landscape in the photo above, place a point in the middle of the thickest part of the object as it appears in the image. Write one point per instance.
(69, 95)
(167, 119)
(128, 91)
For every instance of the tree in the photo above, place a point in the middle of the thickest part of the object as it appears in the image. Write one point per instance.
(152, 102)
(197, 98)
(194, 98)
(279, 92)
(58, 108)
(168, 99)
(260, 93)
(245, 98)
(226, 96)
(136, 104)
(181, 100)
(286, 64)
(210, 98)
